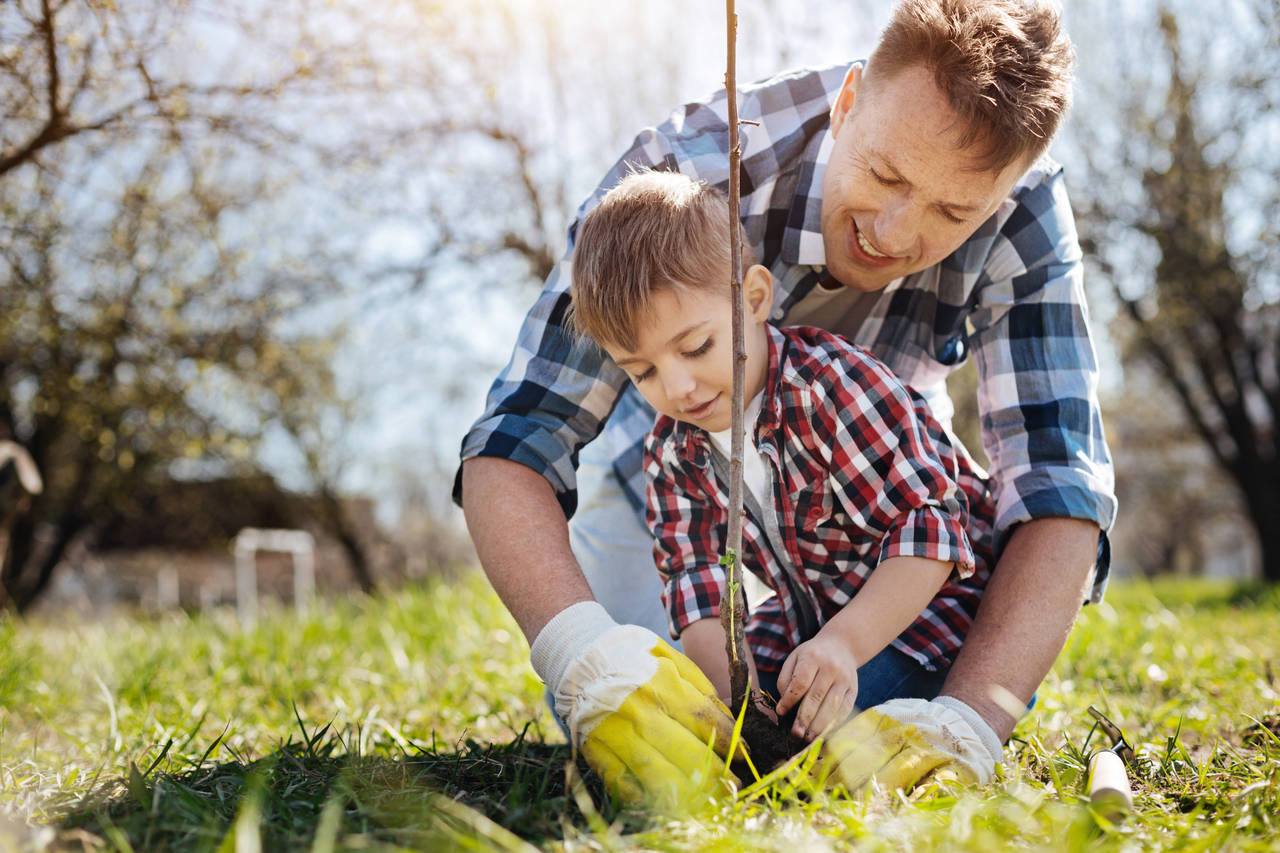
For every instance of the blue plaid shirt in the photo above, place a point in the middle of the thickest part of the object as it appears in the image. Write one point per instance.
(1011, 296)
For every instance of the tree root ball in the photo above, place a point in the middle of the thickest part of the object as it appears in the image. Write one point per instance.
(769, 739)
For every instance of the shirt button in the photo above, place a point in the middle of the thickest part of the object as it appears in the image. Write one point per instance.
(777, 314)
(815, 512)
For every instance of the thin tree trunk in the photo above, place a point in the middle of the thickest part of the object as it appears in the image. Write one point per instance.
(338, 525)
(1262, 497)
(733, 604)
(50, 558)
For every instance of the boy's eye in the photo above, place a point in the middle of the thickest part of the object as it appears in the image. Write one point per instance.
(702, 350)
(640, 377)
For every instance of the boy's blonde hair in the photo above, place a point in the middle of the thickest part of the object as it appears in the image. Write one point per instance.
(653, 231)
(1005, 67)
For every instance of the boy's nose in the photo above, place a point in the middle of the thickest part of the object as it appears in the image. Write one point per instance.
(678, 384)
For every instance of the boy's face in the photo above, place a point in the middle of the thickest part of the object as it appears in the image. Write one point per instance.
(897, 196)
(682, 361)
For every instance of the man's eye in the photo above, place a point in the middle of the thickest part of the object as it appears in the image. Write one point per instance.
(951, 217)
(702, 350)
(883, 179)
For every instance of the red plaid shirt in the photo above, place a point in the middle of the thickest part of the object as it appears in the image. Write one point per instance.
(860, 472)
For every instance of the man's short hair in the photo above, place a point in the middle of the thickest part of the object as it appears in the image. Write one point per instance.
(653, 231)
(1005, 66)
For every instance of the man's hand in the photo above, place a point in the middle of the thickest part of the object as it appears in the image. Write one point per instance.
(822, 676)
(645, 717)
(901, 742)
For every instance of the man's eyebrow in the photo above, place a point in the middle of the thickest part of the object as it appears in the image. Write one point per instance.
(959, 206)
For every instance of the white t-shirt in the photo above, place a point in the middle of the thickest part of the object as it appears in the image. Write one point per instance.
(753, 479)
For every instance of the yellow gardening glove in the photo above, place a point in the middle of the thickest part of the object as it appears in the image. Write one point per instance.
(645, 717)
(901, 742)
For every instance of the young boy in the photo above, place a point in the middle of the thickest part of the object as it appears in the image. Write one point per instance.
(858, 501)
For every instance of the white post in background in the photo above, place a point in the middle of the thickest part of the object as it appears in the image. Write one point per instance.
(304, 573)
(296, 543)
(246, 549)
(167, 588)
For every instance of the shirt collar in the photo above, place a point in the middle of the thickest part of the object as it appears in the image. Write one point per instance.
(771, 406)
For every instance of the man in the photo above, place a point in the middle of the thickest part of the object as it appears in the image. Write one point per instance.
(907, 205)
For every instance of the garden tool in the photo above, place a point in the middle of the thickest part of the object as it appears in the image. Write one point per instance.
(1109, 789)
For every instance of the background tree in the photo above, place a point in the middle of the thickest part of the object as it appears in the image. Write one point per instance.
(1178, 214)
(156, 244)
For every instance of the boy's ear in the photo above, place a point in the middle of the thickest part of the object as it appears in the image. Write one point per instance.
(757, 292)
(844, 98)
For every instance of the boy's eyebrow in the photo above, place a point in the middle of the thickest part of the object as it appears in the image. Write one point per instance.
(677, 336)
(686, 330)
(959, 206)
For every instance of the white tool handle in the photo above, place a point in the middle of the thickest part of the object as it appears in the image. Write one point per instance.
(1109, 784)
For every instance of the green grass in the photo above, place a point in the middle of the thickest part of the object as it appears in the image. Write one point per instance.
(413, 722)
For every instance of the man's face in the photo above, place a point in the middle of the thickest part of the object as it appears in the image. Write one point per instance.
(897, 195)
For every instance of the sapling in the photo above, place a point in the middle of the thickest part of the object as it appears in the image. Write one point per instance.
(767, 743)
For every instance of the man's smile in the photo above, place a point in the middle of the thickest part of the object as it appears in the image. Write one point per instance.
(861, 248)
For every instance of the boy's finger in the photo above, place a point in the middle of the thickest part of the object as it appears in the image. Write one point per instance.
(811, 706)
(797, 686)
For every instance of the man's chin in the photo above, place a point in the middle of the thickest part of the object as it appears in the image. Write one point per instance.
(856, 276)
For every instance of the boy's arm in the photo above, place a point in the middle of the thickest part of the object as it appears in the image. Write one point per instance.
(892, 598)
(821, 674)
(896, 487)
(704, 643)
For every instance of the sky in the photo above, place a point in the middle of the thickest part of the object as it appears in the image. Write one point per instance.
(432, 375)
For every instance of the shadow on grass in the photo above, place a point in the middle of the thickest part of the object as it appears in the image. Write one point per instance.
(314, 795)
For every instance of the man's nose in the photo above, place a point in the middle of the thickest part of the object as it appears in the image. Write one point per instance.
(897, 227)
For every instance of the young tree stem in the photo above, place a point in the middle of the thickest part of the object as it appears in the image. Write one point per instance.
(733, 604)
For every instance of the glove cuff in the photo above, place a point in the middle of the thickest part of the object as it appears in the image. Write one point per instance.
(985, 733)
(565, 637)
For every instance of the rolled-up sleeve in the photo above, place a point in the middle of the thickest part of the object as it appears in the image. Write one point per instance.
(1038, 387)
(689, 529)
(553, 396)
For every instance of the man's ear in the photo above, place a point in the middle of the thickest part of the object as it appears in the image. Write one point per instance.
(844, 98)
(757, 292)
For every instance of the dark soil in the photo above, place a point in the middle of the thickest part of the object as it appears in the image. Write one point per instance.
(769, 740)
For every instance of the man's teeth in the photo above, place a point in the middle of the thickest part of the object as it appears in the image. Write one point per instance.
(868, 248)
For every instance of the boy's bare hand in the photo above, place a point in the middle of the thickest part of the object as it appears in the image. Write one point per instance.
(822, 676)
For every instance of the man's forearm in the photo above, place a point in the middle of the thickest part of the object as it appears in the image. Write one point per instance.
(522, 539)
(1026, 613)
